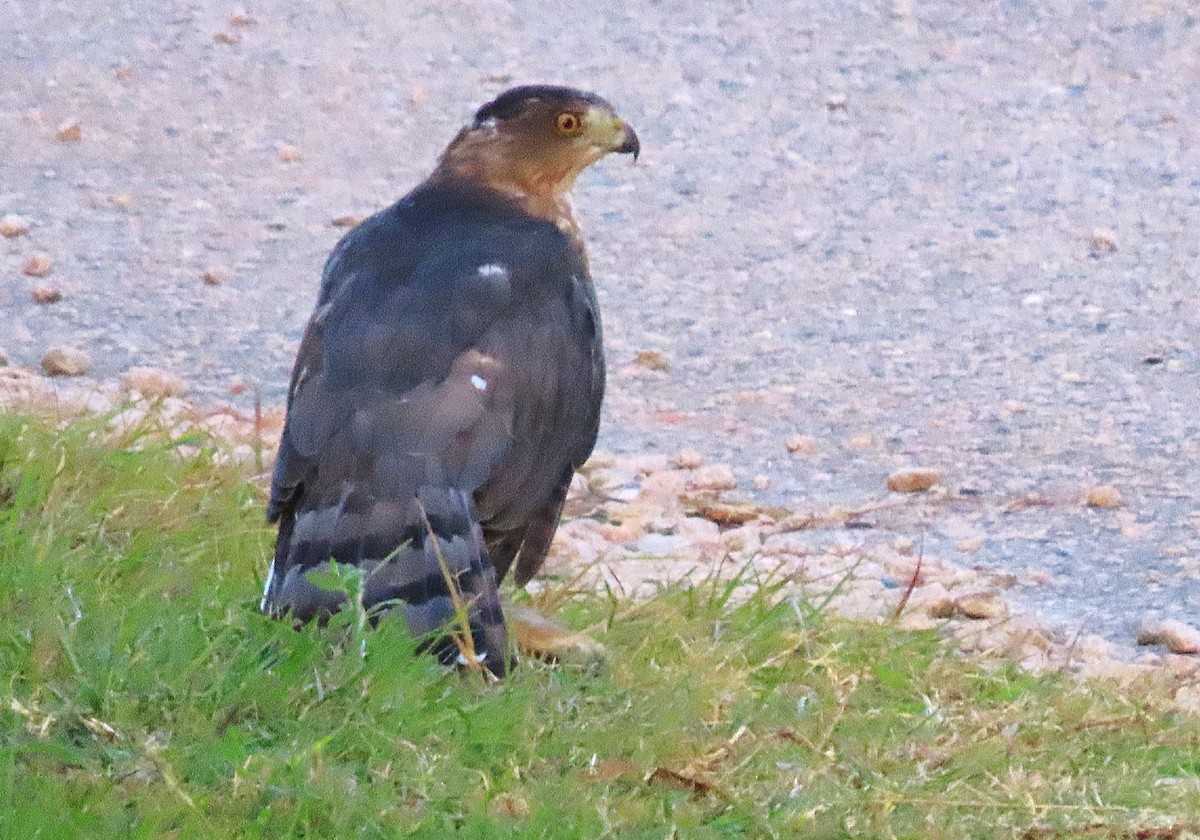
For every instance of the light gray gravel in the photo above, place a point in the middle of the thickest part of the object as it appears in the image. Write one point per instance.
(889, 226)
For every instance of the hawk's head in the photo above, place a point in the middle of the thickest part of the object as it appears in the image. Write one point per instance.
(536, 139)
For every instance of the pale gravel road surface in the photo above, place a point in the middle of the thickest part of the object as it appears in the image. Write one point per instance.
(868, 223)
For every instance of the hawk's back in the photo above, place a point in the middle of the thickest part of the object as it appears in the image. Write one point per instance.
(448, 385)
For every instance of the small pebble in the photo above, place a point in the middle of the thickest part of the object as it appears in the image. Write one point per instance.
(750, 397)
(349, 220)
(715, 477)
(742, 538)
(651, 360)
(12, 225)
(152, 382)
(289, 153)
(46, 294)
(800, 444)
(242, 18)
(982, 606)
(688, 459)
(1176, 635)
(66, 361)
(227, 38)
(38, 265)
(1103, 241)
(215, 275)
(933, 599)
(70, 131)
(729, 513)
(1103, 496)
(762, 482)
(916, 480)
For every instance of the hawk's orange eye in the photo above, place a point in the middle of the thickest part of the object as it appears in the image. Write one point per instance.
(568, 124)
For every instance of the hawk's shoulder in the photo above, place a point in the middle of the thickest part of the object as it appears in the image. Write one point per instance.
(450, 230)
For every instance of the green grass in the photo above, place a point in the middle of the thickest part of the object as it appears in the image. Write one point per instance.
(142, 695)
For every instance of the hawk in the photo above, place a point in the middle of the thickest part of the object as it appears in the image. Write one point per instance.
(449, 382)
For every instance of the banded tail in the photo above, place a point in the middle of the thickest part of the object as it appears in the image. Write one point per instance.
(425, 557)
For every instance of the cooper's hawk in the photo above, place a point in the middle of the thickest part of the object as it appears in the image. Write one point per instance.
(449, 382)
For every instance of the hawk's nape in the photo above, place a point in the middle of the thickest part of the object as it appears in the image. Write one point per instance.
(449, 382)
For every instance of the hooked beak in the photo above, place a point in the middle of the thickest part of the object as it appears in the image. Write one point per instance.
(629, 143)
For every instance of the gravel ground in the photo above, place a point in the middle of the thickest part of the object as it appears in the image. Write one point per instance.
(942, 234)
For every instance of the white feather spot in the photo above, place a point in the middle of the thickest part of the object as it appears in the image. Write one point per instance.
(491, 270)
(479, 382)
(262, 605)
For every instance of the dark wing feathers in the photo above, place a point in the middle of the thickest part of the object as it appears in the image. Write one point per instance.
(524, 521)
(378, 331)
(449, 381)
